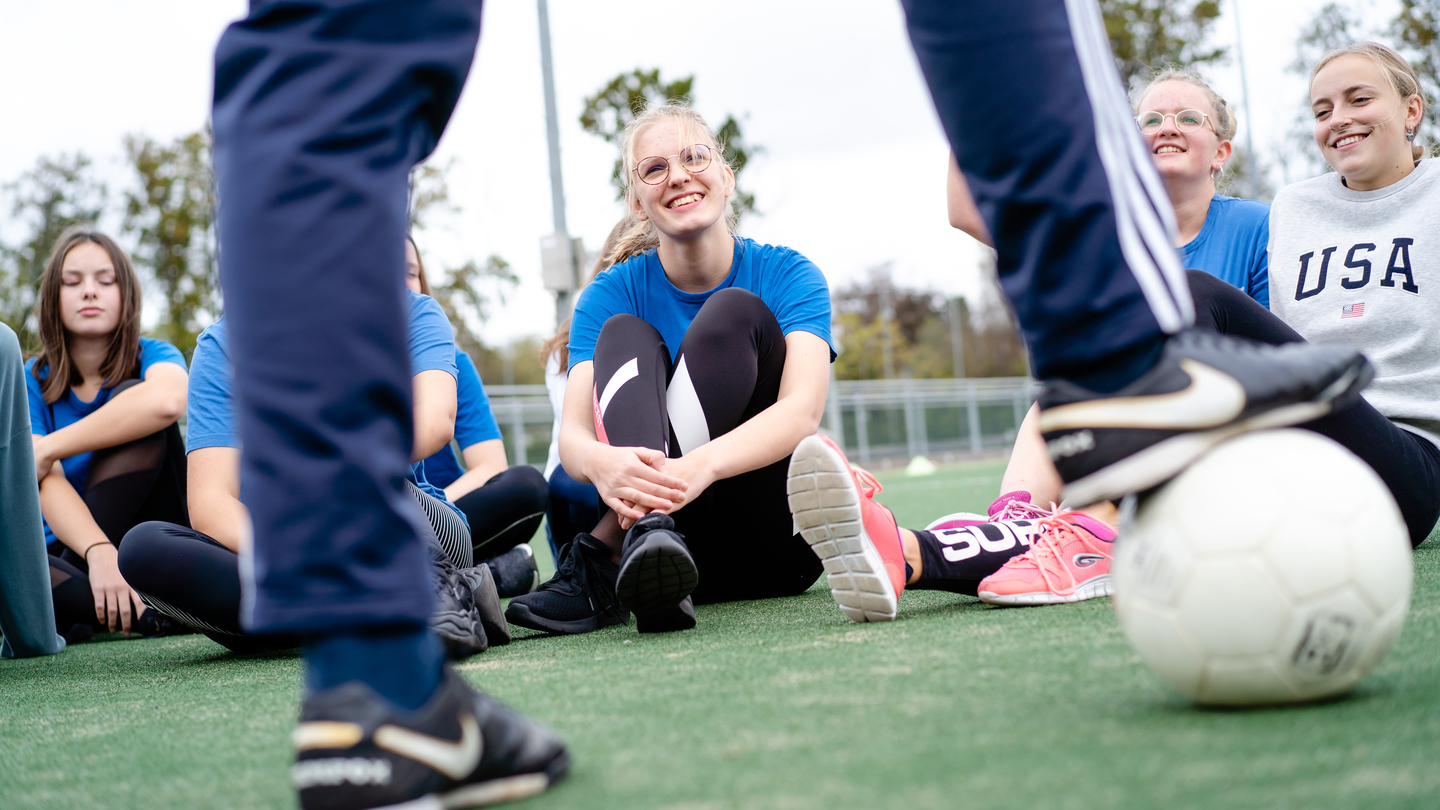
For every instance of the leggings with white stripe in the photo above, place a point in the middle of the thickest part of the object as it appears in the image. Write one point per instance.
(1080, 219)
(727, 370)
(190, 577)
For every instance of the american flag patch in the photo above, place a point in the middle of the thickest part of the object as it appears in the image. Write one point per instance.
(1352, 310)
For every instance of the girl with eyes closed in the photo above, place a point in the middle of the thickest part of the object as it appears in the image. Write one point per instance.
(103, 406)
(696, 367)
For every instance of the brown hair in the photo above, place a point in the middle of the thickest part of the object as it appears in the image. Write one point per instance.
(122, 357)
(420, 262)
(560, 341)
(1397, 71)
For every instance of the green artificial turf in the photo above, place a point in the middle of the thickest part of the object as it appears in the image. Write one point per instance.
(774, 704)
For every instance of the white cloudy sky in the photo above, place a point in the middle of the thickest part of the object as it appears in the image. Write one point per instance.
(853, 169)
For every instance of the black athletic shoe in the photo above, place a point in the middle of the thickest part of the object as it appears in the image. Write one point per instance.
(355, 751)
(456, 619)
(481, 583)
(580, 598)
(1205, 389)
(515, 571)
(657, 575)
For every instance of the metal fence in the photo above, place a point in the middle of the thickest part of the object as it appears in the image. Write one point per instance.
(880, 420)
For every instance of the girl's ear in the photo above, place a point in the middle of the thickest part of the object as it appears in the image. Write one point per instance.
(729, 182)
(1222, 156)
(1414, 112)
(636, 209)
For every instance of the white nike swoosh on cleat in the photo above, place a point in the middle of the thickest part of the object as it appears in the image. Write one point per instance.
(456, 760)
(1212, 398)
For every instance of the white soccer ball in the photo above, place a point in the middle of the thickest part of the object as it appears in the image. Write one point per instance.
(1275, 569)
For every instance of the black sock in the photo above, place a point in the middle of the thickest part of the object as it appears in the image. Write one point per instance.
(956, 560)
(1115, 371)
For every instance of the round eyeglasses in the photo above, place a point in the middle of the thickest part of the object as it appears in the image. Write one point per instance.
(653, 171)
(1185, 121)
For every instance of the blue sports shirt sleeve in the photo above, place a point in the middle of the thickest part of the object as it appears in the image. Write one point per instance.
(474, 421)
(804, 303)
(600, 299)
(1259, 286)
(154, 351)
(432, 342)
(210, 413)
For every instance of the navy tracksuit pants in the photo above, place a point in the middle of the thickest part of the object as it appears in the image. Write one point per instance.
(321, 109)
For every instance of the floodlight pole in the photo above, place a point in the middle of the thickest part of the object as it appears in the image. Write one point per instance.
(558, 259)
(1254, 167)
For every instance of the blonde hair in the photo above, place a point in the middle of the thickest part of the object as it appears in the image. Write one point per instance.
(640, 235)
(1397, 71)
(1224, 118)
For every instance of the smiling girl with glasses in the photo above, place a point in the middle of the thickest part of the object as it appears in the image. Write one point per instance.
(697, 364)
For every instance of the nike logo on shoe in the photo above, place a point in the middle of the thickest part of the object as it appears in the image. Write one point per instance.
(1212, 398)
(454, 759)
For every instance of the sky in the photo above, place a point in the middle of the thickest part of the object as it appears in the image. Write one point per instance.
(853, 168)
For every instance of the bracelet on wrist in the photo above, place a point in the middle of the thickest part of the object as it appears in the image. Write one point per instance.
(85, 555)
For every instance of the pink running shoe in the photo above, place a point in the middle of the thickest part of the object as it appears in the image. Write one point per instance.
(1068, 561)
(1010, 506)
(855, 537)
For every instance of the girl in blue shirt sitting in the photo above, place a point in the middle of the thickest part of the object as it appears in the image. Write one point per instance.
(103, 406)
(696, 367)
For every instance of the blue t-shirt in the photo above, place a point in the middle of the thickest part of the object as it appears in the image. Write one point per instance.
(1233, 245)
(211, 415)
(69, 409)
(474, 423)
(790, 285)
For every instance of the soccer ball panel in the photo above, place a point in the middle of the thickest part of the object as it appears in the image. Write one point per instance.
(1309, 554)
(1234, 607)
(1162, 642)
(1247, 681)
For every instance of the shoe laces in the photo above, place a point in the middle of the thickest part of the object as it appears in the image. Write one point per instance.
(1024, 510)
(1047, 550)
(869, 485)
(449, 579)
(578, 574)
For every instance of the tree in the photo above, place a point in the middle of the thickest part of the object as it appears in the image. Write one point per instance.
(615, 105)
(58, 193)
(1417, 31)
(171, 212)
(1148, 34)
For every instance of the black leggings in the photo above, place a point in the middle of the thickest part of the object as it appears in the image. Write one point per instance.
(739, 530)
(506, 511)
(190, 577)
(128, 484)
(1408, 464)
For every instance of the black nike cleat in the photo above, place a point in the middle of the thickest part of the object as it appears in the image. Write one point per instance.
(357, 751)
(456, 619)
(1205, 389)
(481, 582)
(580, 598)
(657, 575)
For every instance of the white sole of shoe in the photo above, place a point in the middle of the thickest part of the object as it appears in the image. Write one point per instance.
(1093, 589)
(826, 508)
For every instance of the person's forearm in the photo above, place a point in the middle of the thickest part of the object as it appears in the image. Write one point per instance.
(133, 414)
(471, 481)
(764, 439)
(220, 517)
(67, 514)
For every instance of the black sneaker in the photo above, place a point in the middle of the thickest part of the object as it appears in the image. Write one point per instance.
(1205, 389)
(580, 598)
(515, 571)
(657, 575)
(481, 583)
(456, 619)
(355, 750)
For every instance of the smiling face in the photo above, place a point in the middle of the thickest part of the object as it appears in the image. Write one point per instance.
(686, 205)
(1360, 122)
(1184, 158)
(89, 294)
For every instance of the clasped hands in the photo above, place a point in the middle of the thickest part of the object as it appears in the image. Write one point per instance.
(635, 481)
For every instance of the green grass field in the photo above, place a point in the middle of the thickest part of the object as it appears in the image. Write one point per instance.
(775, 704)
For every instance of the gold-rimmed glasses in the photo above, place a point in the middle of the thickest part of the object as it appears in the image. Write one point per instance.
(1151, 121)
(655, 170)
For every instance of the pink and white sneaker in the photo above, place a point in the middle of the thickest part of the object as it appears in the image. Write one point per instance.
(1068, 561)
(1010, 506)
(855, 537)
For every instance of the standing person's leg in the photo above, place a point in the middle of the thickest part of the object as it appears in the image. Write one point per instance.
(320, 112)
(1083, 231)
(27, 617)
